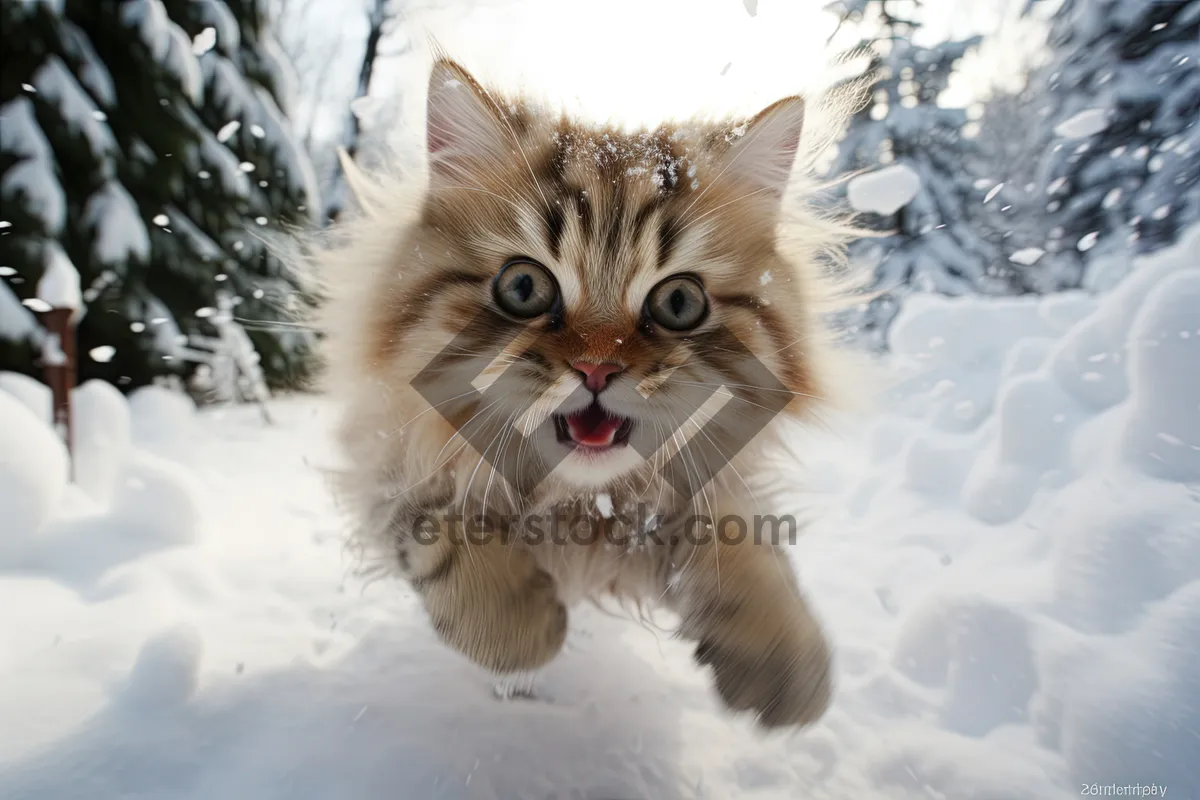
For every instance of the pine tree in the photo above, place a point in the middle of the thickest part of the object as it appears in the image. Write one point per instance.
(1123, 169)
(1012, 135)
(119, 147)
(933, 247)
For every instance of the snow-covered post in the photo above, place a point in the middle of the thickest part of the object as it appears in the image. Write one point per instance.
(59, 289)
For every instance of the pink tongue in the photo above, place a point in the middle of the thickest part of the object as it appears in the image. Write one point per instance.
(593, 427)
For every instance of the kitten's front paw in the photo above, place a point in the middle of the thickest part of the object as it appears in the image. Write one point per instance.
(513, 624)
(785, 678)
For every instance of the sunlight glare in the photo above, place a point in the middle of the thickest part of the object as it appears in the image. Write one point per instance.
(632, 61)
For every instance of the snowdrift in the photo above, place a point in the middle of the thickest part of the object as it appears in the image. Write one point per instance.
(125, 500)
(1041, 477)
(1008, 560)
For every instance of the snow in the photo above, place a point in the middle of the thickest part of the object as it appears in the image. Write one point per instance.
(167, 43)
(239, 101)
(54, 6)
(152, 23)
(167, 336)
(182, 64)
(228, 130)
(1086, 123)
(204, 41)
(33, 474)
(283, 76)
(228, 36)
(56, 85)
(884, 191)
(16, 323)
(32, 183)
(604, 505)
(1007, 556)
(112, 218)
(59, 286)
(300, 174)
(101, 437)
(34, 395)
(224, 164)
(52, 354)
(1027, 256)
(197, 240)
(92, 72)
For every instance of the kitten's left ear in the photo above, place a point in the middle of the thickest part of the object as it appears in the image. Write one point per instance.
(763, 156)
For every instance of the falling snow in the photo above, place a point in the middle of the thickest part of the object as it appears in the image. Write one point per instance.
(1085, 123)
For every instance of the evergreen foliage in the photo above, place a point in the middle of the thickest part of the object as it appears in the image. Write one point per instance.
(147, 140)
(929, 244)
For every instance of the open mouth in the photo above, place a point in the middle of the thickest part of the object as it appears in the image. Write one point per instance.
(593, 428)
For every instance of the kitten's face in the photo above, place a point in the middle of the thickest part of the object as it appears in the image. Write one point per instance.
(608, 283)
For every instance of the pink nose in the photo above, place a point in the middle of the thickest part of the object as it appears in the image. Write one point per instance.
(595, 376)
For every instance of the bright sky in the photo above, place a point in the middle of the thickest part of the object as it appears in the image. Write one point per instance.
(641, 60)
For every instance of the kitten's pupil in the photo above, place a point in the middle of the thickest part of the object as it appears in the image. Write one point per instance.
(523, 287)
(678, 302)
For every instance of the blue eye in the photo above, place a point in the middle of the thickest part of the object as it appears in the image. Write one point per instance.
(525, 289)
(679, 303)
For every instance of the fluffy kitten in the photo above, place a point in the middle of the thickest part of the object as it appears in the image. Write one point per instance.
(605, 284)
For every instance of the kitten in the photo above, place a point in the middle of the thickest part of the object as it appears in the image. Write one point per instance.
(532, 339)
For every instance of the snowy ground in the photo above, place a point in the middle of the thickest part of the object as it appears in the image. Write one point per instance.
(1008, 559)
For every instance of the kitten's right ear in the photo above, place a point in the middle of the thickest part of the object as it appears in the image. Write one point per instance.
(463, 124)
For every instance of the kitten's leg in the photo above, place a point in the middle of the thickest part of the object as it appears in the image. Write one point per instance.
(487, 599)
(741, 603)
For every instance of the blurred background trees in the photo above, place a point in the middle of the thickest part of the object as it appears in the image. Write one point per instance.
(160, 145)
(148, 143)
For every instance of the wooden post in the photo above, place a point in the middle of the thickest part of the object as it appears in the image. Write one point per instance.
(59, 291)
(58, 360)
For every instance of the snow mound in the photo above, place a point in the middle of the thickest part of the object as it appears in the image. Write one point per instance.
(158, 500)
(1120, 548)
(124, 501)
(1061, 362)
(1008, 563)
(1162, 437)
(167, 670)
(33, 475)
(1132, 715)
(162, 421)
(1091, 362)
(1056, 533)
(159, 412)
(34, 395)
(101, 437)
